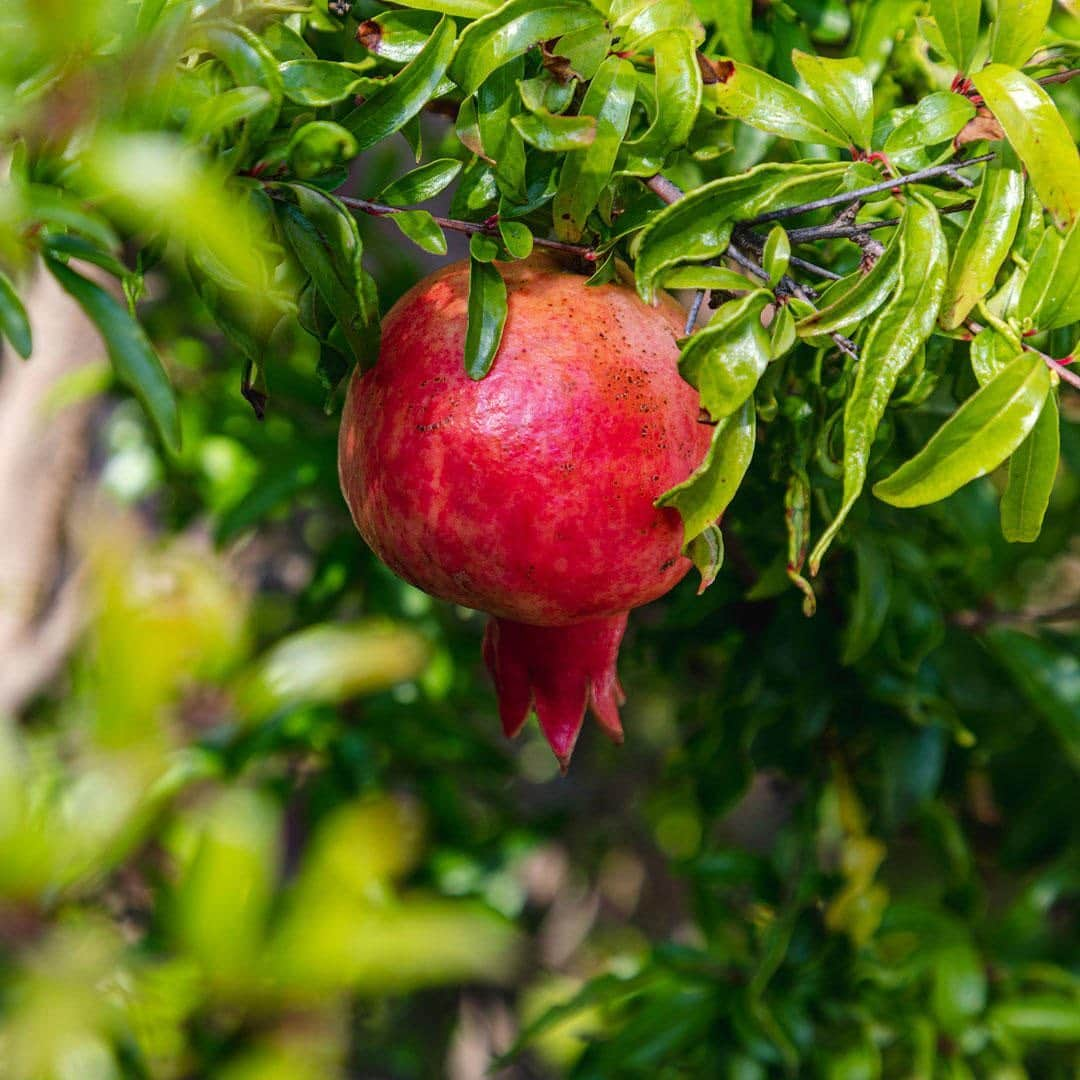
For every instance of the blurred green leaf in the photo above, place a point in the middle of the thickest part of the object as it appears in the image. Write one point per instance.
(13, 320)
(958, 21)
(1017, 29)
(317, 147)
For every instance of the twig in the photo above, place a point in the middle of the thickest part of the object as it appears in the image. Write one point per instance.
(949, 168)
(1058, 77)
(487, 228)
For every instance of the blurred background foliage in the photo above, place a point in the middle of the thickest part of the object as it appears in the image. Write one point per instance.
(256, 820)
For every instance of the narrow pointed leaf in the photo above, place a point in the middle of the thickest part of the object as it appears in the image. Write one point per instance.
(422, 229)
(1051, 292)
(958, 21)
(487, 317)
(986, 240)
(13, 321)
(555, 134)
(132, 356)
(392, 106)
(977, 438)
(843, 89)
(1038, 133)
(421, 184)
(895, 337)
(1017, 29)
(1032, 471)
(511, 30)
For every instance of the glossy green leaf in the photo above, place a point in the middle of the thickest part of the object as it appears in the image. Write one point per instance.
(634, 25)
(857, 302)
(14, 324)
(843, 89)
(706, 552)
(986, 240)
(397, 35)
(1038, 134)
(421, 184)
(1050, 296)
(977, 438)
(556, 134)
(990, 352)
(511, 30)
(677, 97)
(132, 356)
(484, 248)
(585, 174)
(1017, 30)
(497, 102)
(1033, 469)
(422, 229)
(487, 317)
(389, 108)
(517, 238)
(703, 497)
(545, 94)
(776, 254)
(725, 359)
(895, 337)
(958, 22)
(698, 226)
(317, 82)
(937, 118)
(469, 9)
(768, 104)
(318, 147)
(706, 277)
(782, 336)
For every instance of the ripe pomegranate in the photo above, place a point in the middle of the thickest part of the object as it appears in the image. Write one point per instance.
(529, 494)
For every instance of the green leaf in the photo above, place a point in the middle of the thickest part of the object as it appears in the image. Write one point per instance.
(60, 210)
(469, 9)
(725, 360)
(706, 277)
(483, 247)
(958, 21)
(317, 82)
(511, 30)
(703, 497)
(770, 105)
(517, 238)
(843, 89)
(585, 174)
(497, 101)
(977, 438)
(677, 96)
(223, 110)
(132, 356)
(1017, 29)
(706, 552)
(14, 324)
(698, 226)
(895, 337)
(556, 133)
(858, 302)
(797, 524)
(987, 238)
(421, 184)
(1049, 677)
(250, 63)
(734, 24)
(545, 94)
(1042, 1018)
(881, 25)
(1033, 469)
(635, 24)
(487, 317)
(958, 993)
(1050, 296)
(422, 229)
(990, 352)
(318, 147)
(389, 108)
(776, 254)
(69, 245)
(1038, 134)
(397, 35)
(936, 119)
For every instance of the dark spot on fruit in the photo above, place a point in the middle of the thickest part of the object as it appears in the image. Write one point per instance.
(667, 565)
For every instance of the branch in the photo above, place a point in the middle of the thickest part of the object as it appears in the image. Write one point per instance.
(487, 228)
(1058, 77)
(949, 168)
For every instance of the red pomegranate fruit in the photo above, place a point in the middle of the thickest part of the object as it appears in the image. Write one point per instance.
(529, 493)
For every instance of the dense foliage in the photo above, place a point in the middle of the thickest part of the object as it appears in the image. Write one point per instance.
(264, 825)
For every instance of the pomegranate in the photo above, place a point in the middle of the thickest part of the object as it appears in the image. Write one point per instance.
(529, 494)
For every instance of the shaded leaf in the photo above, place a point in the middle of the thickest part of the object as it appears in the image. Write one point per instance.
(487, 317)
(1033, 469)
(1050, 296)
(14, 324)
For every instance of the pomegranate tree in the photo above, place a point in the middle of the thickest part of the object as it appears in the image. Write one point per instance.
(529, 494)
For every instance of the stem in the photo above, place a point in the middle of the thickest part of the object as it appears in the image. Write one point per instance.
(488, 228)
(1058, 366)
(1058, 77)
(949, 168)
(692, 314)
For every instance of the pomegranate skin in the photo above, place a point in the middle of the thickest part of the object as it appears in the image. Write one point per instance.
(529, 493)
